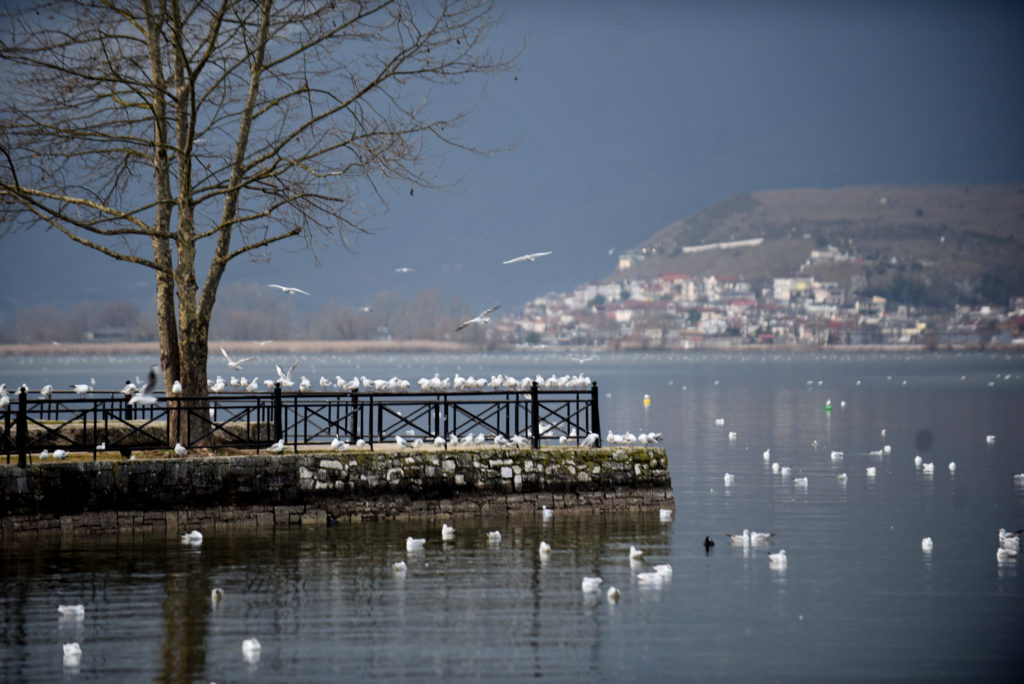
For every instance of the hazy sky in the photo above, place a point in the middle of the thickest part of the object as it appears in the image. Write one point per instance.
(628, 116)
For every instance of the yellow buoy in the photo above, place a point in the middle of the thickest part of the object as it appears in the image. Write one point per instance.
(647, 400)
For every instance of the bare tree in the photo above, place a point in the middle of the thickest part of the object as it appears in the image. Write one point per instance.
(181, 135)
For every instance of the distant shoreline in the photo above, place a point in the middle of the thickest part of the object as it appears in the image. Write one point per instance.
(412, 346)
(237, 347)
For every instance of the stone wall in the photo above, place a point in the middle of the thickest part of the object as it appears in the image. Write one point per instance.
(176, 495)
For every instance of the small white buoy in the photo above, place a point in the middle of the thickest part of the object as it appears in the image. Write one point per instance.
(952, 466)
(990, 439)
(927, 545)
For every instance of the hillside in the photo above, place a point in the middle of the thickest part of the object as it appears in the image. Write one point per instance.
(926, 245)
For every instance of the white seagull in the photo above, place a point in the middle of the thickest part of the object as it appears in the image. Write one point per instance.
(145, 394)
(286, 378)
(72, 654)
(288, 290)
(526, 257)
(232, 364)
(180, 450)
(46, 391)
(193, 537)
(481, 319)
(778, 559)
(447, 532)
(414, 543)
(277, 447)
(75, 611)
(590, 584)
(82, 389)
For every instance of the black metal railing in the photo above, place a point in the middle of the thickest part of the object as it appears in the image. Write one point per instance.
(241, 420)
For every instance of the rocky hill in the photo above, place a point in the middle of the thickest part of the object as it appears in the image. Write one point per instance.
(925, 245)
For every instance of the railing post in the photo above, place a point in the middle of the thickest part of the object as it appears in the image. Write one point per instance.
(278, 413)
(595, 413)
(357, 421)
(535, 414)
(21, 425)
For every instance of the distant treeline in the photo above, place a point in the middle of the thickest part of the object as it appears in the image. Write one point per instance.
(250, 312)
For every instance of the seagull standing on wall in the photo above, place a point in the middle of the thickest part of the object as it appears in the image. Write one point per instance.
(481, 319)
(289, 290)
(526, 257)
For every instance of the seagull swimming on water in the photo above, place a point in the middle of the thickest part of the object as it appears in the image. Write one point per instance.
(526, 257)
(481, 319)
(232, 364)
(288, 290)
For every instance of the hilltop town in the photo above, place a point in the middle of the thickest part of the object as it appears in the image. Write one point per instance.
(932, 266)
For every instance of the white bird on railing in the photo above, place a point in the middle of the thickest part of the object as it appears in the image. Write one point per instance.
(480, 319)
(324, 383)
(526, 257)
(82, 389)
(46, 391)
(288, 290)
(286, 378)
(218, 385)
(304, 384)
(591, 439)
(232, 364)
(269, 384)
(5, 400)
(253, 386)
(144, 396)
(176, 387)
(129, 388)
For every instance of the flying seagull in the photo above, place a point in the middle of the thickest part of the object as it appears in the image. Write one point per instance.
(289, 290)
(404, 269)
(145, 395)
(482, 319)
(527, 257)
(235, 365)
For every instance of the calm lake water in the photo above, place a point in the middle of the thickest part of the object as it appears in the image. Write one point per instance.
(859, 599)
